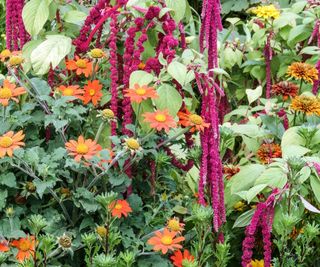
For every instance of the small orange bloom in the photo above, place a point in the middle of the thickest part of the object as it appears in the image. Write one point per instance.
(4, 246)
(160, 120)
(230, 171)
(175, 225)
(9, 142)
(92, 92)
(177, 257)
(26, 247)
(83, 148)
(165, 241)
(71, 90)
(140, 93)
(141, 65)
(80, 66)
(5, 54)
(9, 91)
(267, 152)
(119, 207)
(194, 121)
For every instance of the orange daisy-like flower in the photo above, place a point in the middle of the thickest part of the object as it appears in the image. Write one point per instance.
(178, 258)
(83, 148)
(71, 90)
(309, 105)
(230, 171)
(194, 121)
(175, 225)
(5, 55)
(140, 93)
(26, 247)
(9, 91)
(303, 71)
(119, 207)
(92, 92)
(9, 142)
(160, 120)
(165, 240)
(4, 246)
(80, 66)
(267, 152)
(285, 89)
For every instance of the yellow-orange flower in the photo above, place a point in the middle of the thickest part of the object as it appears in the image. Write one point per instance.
(194, 121)
(9, 142)
(83, 148)
(160, 120)
(80, 66)
(25, 246)
(97, 53)
(256, 263)
(268, 11)
(9, 91)
(267, 152)
(303, 71)
(5, 54)
(119, 207)
(4, 246)
(239, 206)
(92, 92)
(175, 225)
(309, 105)
(285, 89)
(15, 59)
(139, 93)
(230, 171)
(178, 258)
(165, 240)
(71, 90)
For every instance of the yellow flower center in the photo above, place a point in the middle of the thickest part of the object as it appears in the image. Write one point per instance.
(118, 206)
(141, 91)
(68, 91)
(82, 149)
(108, 113)
(174, 225)
(24, 245)
(5, 53)
(166, 240)
(92, 92)
(133, 144)
(196, 119)
(6, 141)
(102, 231)
(15, 60)
(81, 63)
(96, 53)
(5, 93)
(160, 117)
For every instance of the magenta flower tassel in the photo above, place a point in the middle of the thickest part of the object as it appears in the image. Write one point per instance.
(268, 58)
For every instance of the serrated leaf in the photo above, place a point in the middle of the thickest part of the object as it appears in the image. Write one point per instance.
(8, 180)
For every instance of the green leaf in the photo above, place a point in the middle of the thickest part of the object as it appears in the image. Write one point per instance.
(35, 14)
(178, 71)
(26, 52)
(169, 98)
(50, 52)
(8, 180)
(85, 199)
(274, 177)
(254, 94)
(179, 209)
(298, 34)
(315, 185)
(41, 86)
(140, 77)
(254, 191)
(295, 150)
(244, 219)
(179, 8)
(75, 17)
(3, 198)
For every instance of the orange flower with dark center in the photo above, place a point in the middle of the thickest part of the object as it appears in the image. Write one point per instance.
(9, 142)
(230, 171)
(9, 91)
(165, 240)
(178, 258)
(303, 71)
(5, 55)
(71, 90)
(80, 66)
(285, 89)
(175, 225)
(119, 207)
(309, 105)
(140, 93)
(83, 148)
(92, 92)
(267, 152)
(25, 246)
(4, 246)
(160, 120)
(194, 121)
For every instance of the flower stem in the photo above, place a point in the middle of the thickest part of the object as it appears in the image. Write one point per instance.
(173, 137)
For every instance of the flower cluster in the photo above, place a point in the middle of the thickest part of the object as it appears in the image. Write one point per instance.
(266, 12)
(267, 152)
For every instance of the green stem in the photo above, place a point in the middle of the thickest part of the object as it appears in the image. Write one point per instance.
(100, 129)
(173, 137)
(137, 118)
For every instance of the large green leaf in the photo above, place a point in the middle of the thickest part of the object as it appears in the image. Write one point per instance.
(50, 52)
(75, 17)
(35, 14)
(315, 185)
(140, 77)
(244, 219)
(178, 71)
(179, 8)
(274, 177)
(169, 98)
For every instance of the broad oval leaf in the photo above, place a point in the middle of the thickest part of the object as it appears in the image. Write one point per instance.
(315, 185)
(140, 77)
(178, 71)
(179, 8)
(169, 98)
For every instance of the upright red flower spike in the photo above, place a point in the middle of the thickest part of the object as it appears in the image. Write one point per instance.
(268, 58)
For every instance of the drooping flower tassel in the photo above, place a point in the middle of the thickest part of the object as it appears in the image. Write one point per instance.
(316, 84)
(268, 58)
(316, 35)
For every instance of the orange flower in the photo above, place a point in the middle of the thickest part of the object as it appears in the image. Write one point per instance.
(119, 207)
(230, 171)
(140, 93)
(267, 152)
(177, 257)
(160, 120)
(165, 241)
(71, 90)
(80, 66)
(285, 89)
(303, 71)
(194, 121)
(141, 65)
(92, 92)
(175, 225)
(82, 148)
(10, 91)
(9, 142)
(25, 246)
(5, 54)
(4, 246)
